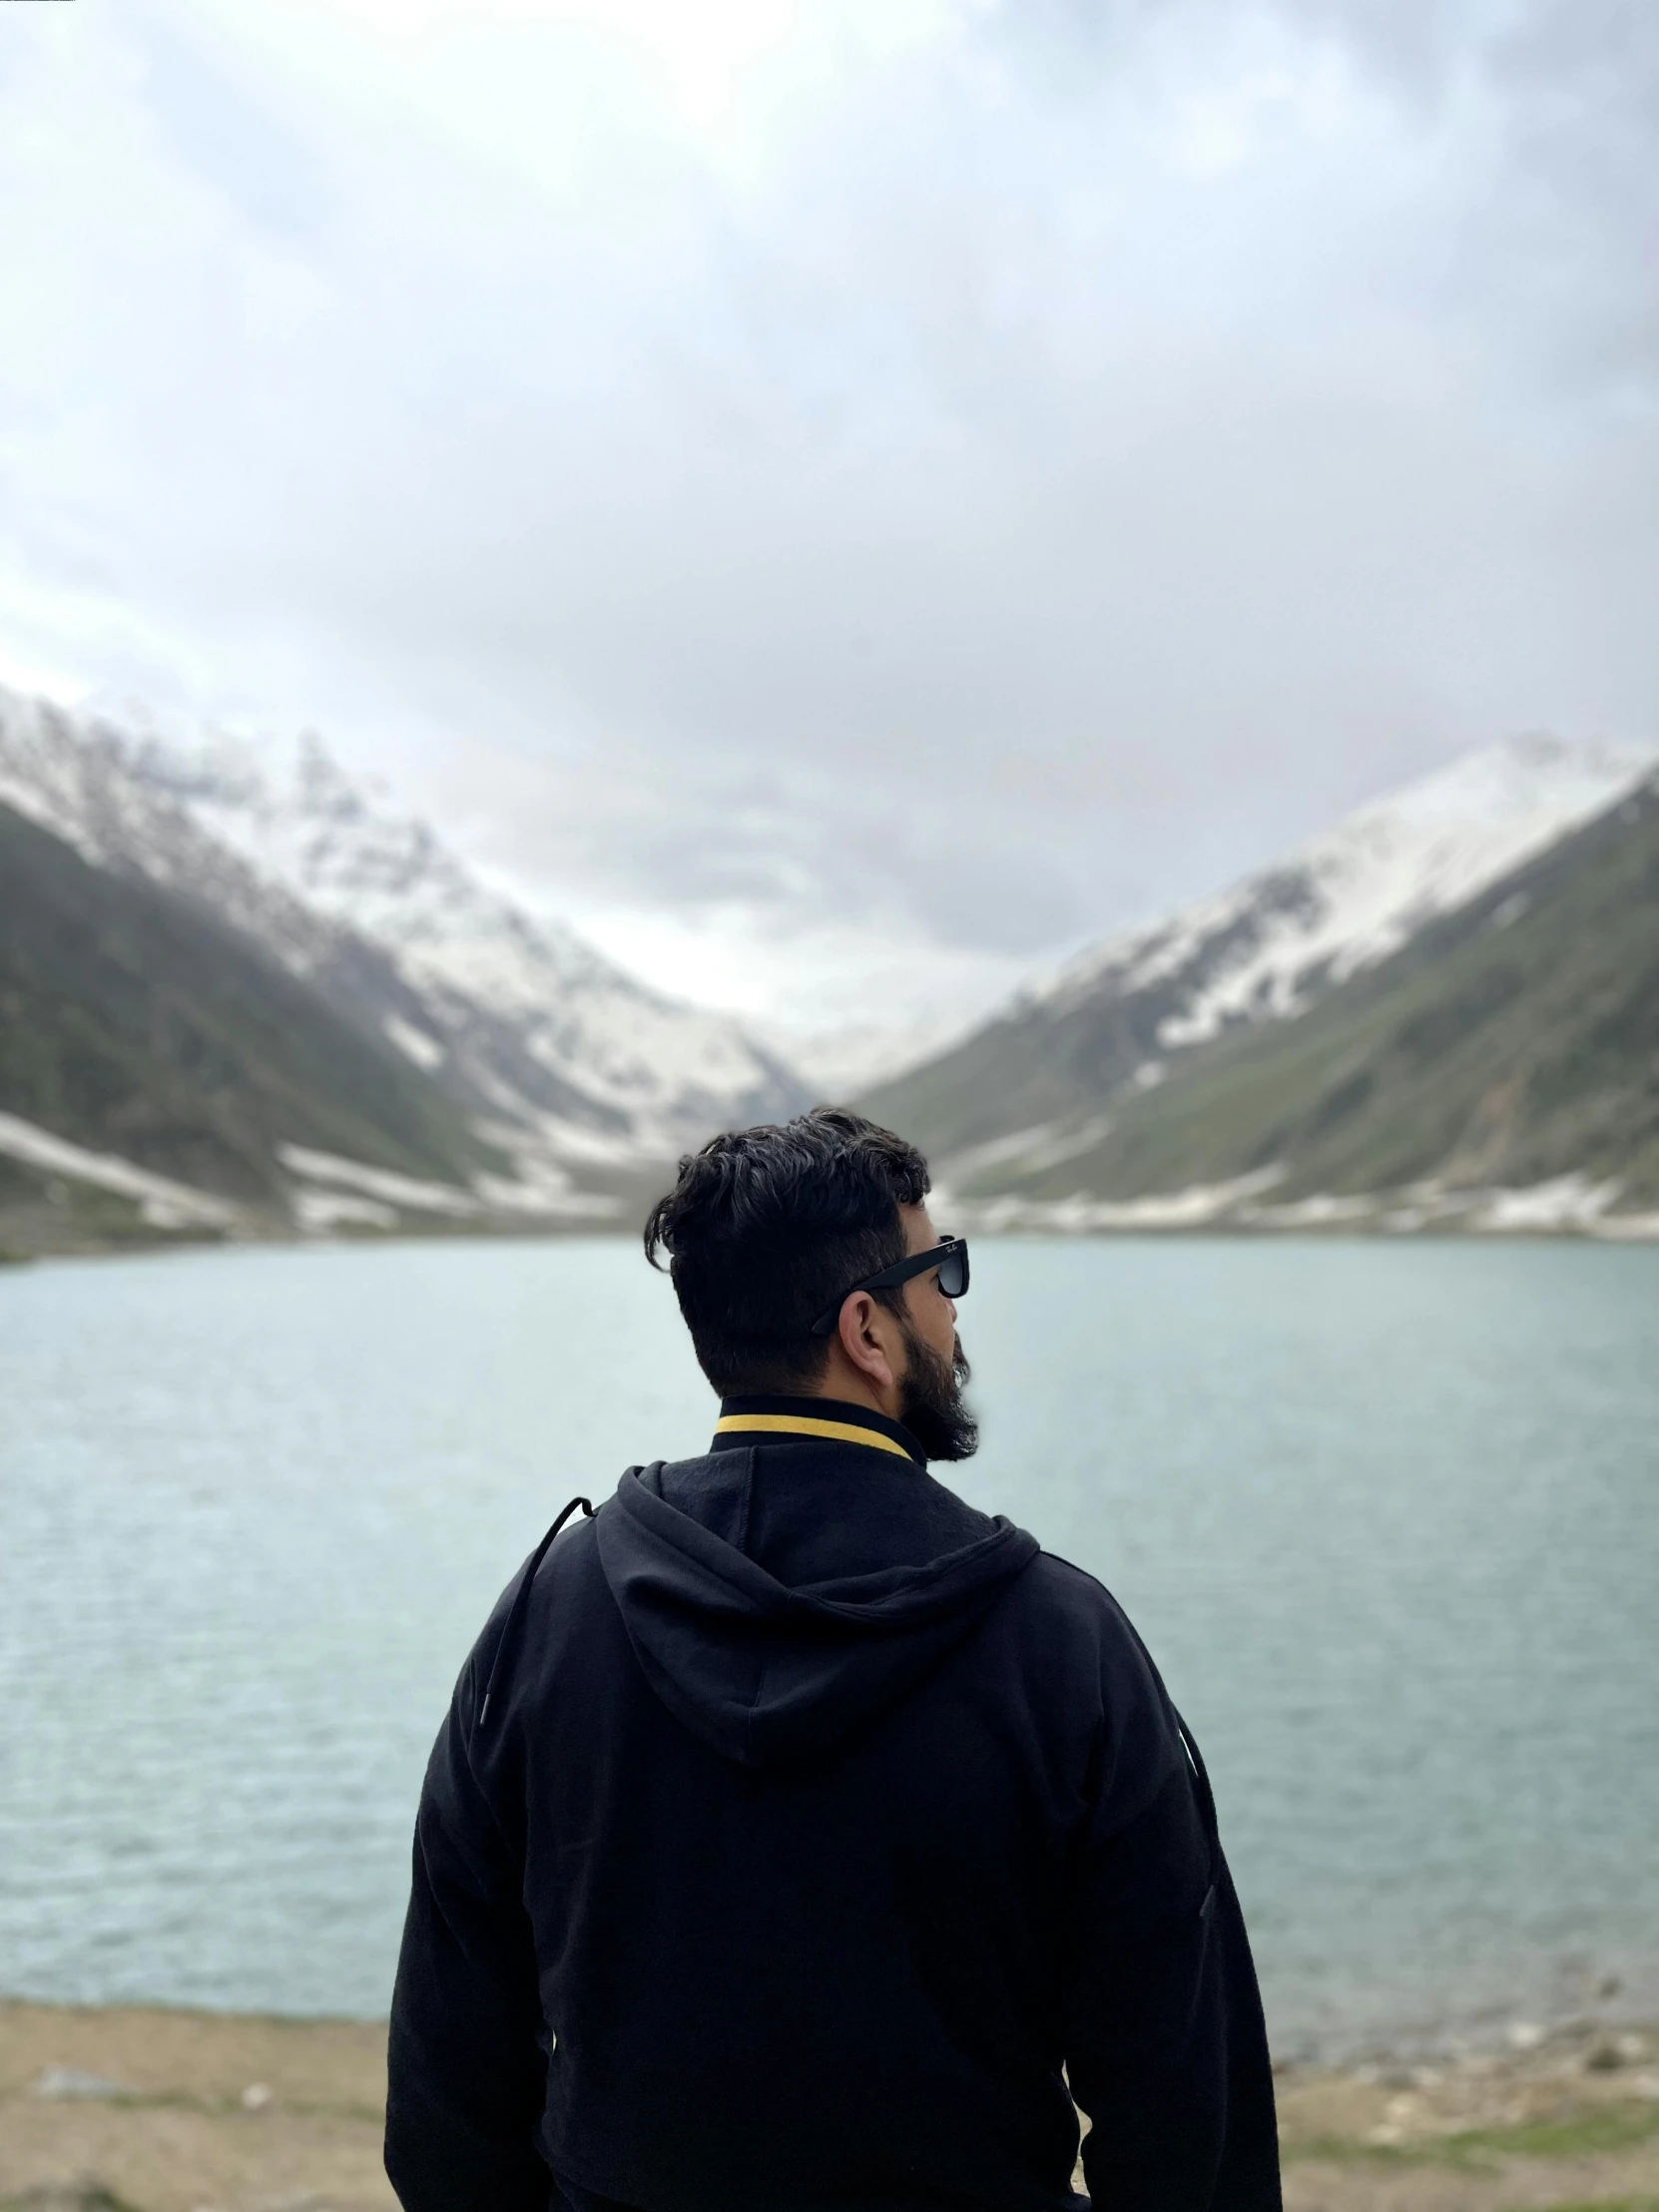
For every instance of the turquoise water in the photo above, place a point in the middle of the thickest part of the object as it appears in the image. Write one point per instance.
(1387, 1514)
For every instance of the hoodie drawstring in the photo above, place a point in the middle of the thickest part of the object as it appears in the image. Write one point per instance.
(516, 1609)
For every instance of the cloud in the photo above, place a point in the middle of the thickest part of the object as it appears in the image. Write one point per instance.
(940, 479)
(232, 141)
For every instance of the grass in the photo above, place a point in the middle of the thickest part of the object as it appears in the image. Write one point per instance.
(1609, 2127)
(1607, 2204)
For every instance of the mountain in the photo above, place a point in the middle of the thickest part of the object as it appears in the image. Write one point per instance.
(1439, 1001)
(156, 1066)
(573, 1077)
(521, 1017)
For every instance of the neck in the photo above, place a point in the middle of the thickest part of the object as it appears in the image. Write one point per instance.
(848, 1384)
(765, 1418)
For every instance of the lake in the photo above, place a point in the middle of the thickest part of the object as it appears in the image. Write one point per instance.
(1387, 1514)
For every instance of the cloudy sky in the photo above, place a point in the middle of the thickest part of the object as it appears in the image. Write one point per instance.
(849, 499)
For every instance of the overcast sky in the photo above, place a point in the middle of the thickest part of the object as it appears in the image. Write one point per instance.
(843, 500)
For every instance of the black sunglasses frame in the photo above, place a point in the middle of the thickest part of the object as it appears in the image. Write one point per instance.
(938, 1256)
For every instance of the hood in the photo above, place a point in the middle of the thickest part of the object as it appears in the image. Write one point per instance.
(764, 1669)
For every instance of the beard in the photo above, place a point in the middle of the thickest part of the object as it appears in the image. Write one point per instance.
(932, 1408)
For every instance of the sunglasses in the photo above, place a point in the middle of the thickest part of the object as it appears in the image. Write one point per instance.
(951, 1258)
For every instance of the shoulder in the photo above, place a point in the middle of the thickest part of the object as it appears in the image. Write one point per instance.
(1079, 1599)
(543, 1583)
(1083, 1633)
(1088, 1642)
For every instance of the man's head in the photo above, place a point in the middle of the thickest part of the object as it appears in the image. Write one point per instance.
(767, 1229)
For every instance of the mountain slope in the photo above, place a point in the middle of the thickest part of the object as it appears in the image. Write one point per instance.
(135, 1025)
(521, 1011)
(1127, 1012)
(564, 1057)
(1500, 1070)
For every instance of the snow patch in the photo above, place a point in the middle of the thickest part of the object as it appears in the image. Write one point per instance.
(544, 1191)
(1196, 1207)
(316, 1211)
(1628, 1228)
(1565, 1204)
(1323, 1210)
(377, 1183)
(551, 1139)
(546, 1199)
(419, 1046)
(162, 1203)
(1044, 1146)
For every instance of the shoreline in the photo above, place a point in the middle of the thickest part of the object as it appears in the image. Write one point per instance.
(16, 1257)
(129, 2108)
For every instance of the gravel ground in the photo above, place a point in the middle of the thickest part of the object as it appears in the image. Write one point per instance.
(1569, 2121)
(126, 2111)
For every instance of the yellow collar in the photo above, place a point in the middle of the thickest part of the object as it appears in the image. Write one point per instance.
(805, 1424)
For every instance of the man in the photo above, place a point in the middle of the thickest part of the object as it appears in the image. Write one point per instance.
(800, 1839)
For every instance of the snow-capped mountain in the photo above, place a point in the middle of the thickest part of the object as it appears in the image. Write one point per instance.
(559, 1051)
(1355, 893)
(1118, 1019)
(1494, 1074)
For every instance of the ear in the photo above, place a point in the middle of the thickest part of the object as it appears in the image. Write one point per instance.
(870, 1338)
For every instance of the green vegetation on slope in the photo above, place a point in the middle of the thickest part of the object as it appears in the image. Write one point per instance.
(134, 1022)
(1513, 1041)
(1026, 1069)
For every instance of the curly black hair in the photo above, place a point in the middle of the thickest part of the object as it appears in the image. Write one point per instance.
(764, 1227)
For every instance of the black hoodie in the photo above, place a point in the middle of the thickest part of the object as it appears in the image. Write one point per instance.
(814, 1822)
